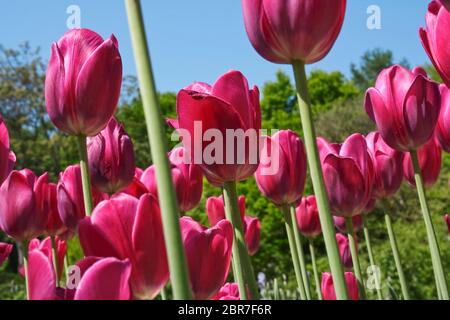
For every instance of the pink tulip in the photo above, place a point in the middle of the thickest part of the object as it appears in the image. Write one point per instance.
(41, 276)
(216, 211)
(70, 197)
(348, 173)
(430, 162)
(82, 85)
(7, 158)
(252, 233)
(344, 251)
(308, 221)
(136, 188)
(23, 211)
(435, 37)
(327, 286)
(229, 291)
(405, 106)
(127, 228)
(5, 251)
(55, 226)
(281, 174)
(446, 218)
(340, 224)
(227, 104)
(208, 253)
(111, 158)
(284, 31)
(45, 246)
(388, 165)
(443, 126)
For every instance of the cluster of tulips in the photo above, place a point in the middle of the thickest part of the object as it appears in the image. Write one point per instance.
(131, 223)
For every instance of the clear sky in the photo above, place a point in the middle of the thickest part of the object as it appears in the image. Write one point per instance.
(197, 40)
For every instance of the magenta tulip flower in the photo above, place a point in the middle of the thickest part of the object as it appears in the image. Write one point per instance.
(23, 211)
(136, 188)
(348, 173)
(344, 251)
(228, 104)
(435, 37)
(252, 234)
(5, 251)
(308, 221)
(208, 254)
(284, 31)
(41, 277)
(229, 291)
(127, 228)
(443, 125)
(405, 106)
(216, 211)
(430, 161)
(281, 174)
(82, 85)
(327, 286)
(7, 158)
(55, 226)
(111, 158)
(340, 224)
(447, 219)
(388, 165)
(45, 246)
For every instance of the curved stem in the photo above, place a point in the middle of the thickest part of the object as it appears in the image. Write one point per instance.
(312, 252)
(315, 169)
(241, 259)
(85, 176)
(293, 248)
(355, 259)
(372, 259)
(158, 145)
(432, 241)
(300, 253)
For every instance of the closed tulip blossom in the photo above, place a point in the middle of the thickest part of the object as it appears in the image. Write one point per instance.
(339, 223)
(252, 232)
(447, 219)
(282, 172)
(284, 31)
(434, 37)
(348, 173)
(308, 221)
(83, 81)
(443, 126)
(388, 165)
(208, 254)
(327, 286)
(229, 104)
(5, 251)
(344, 251)
(430, 162)
(55, 226)
(7, 158)
(111, 158)
(405, 106)
(23, 211)
(216, 211)
(229, 291)
(127, 228)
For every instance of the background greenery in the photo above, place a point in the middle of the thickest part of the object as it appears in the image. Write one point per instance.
(338, 111)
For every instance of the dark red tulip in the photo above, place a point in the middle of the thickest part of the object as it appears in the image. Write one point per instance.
(229, 291)
(327, 286)
(348, 173)
(127, 228)
(281, 174)
(228, 104)
(340, 224)
(435, 37)
(55, 226)
(252, 233)
(111, 158)
(430, 161)
(83, 80)
(284, 31)
(344, 251)
(216, 211)
(5, 251)
(208, 253)
(447, 219)
(7, 158)
(308, 221)
(388, 165)
(23, 209)
(405, 106)
(443, 126)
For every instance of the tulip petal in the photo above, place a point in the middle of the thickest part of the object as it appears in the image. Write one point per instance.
(41, 277)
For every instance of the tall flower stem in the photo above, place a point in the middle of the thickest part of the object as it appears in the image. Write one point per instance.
(432, 241)
(55, 258)
(312, 252)
(300, 253)
(375, 268)
(398, 263)
(85, 176)
(292, 246)
(241, 260)
(320, 192)
(158, 145)
(355, 258)
(25, 266)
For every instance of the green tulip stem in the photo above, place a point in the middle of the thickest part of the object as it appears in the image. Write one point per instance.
(85, 176)
(320, 192)
(312, 252)
(355, 258)
(158, 145)
(372, 259)
(432, 240)
(55, 258)
(25, 266)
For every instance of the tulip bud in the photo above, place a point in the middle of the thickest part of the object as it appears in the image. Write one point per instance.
(7, 158)
(405, 106)
(308, 221)
(344, 251)
(5, 251)
(252, 232)
(340, 223)
(327, 286)
(281, 174)
(229, 291)
(111, 158)
(215, 209)
(430, 161)
(284, 31)
(208, 254)
(83, 81)
(447, 219)
(23, 211)
(443, 126)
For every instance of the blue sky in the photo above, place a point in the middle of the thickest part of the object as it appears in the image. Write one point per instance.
(198, 40)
